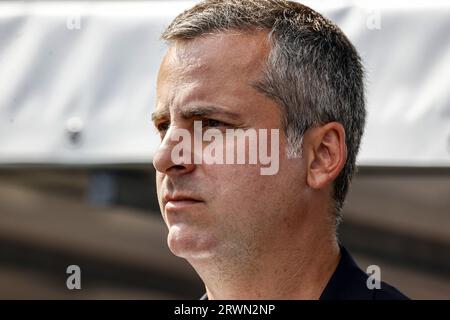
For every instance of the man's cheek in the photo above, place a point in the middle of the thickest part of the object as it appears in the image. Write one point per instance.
(159, 179)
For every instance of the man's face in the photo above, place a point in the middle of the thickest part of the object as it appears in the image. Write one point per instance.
(222, 211)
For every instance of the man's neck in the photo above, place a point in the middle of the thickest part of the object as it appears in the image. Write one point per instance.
(295, 272)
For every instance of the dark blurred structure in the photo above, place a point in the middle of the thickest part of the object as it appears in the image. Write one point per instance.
(46, 224)
(49, 219)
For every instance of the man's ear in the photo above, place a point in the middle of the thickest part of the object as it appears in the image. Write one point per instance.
(325, 154)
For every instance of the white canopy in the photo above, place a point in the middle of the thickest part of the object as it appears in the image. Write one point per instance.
(77, 79)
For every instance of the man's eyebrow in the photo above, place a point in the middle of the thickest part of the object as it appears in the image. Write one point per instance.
(194, 111)
(160, 114)
(202, 111)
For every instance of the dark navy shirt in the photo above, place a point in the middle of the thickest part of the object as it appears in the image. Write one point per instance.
(349, 282)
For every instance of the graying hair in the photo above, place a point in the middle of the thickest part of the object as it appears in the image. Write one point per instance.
(313, 71)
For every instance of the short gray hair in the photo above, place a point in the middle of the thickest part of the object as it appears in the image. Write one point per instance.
(313, 71)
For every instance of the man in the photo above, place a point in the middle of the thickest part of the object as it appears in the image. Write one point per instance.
(268, 66)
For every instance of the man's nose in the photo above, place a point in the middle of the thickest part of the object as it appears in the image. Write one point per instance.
(169, 164)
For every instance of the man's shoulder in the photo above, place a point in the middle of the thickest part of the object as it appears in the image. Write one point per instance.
(388, 292)
(349, 282)
(359, 289)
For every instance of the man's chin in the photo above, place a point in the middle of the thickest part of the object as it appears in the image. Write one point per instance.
(189, 244)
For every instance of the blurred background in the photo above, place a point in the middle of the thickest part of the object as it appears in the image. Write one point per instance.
(77, 87)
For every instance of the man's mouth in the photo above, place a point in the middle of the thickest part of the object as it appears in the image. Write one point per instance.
(179, 201)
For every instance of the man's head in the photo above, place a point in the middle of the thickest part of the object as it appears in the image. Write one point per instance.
(257, 64)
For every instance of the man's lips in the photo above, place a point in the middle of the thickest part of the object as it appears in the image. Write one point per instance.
(178, 202)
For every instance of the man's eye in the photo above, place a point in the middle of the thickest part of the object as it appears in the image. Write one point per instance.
(163, 126)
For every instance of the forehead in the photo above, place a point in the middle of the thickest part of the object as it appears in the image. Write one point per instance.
(224, 52)
(220, 67)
